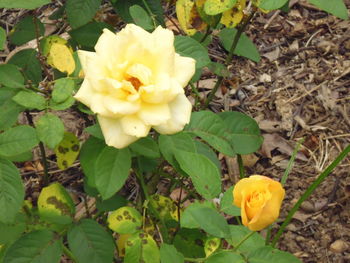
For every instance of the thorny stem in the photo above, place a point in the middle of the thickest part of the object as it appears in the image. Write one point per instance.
(240, 166)
(240, 30)
(42, 152)
(162, 227)
(309, 191)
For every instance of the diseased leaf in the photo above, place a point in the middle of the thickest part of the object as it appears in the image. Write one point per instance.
(55, 205)
(214, 7)
(67, 150)
(125, 220)
(61, 57)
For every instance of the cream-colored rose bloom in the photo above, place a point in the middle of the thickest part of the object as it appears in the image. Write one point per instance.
(134, 82)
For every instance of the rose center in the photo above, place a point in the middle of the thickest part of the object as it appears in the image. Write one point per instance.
(135, 82)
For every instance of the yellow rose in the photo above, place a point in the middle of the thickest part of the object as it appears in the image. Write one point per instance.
(134, 82)
(260, 199)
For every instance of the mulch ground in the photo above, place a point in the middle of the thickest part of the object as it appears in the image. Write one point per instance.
(299, 89)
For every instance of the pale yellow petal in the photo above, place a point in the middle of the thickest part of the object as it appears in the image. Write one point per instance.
(114, 134)
(85, 93)
(119, 106)
(107, 47)
(154, 114)
(132, 125)
(184, 69)
(180, 110)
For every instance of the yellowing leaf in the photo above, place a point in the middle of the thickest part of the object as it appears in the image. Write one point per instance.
(231, 18)
(214, 7)
(67, 150)
(188, 16)
(125, 220)
(165, 206)
(211, 245)
(121, 241)
(55, 205)
(61, 58)
(46, 43)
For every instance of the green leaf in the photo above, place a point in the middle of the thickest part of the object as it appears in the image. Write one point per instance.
(268, 254)
(272, 4)
(80, 12)
(125, 220)
(17, 140)
(210, 221)
(141, 17)
(111, 170)
(169, 254)
(25, 4)
(35, 247)
(123, 9)
(30, 100)
(95, 130)
(219, 69)
(205, 150)
(63, 105)
(90, 150)
(67, 150)
(335, 7)
(87, 35)
(11, 191)
(187, 220)
(25, 30)
(169, 143)
(50, 130)
(22, 157)
(11, 232)
(224, 257)
(238, 233)
(147, 147)
(245, 47)
(188, 47)
(29, 64)
(89, 242)
(62, 89)
(10, 76)
(190, 242)
(204, 174)
(55, 205)
(226, 204)
(141, 247)
(9, 109)
(243, 132)
(2, 38)
(211, 128)
(113, 203)
(214, 7)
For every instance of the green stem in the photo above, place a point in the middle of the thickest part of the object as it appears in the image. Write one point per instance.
(42, 152)
(162, 226)
(69, 254)
(268, 235)
(195, 91)
(194, 259)
(243, 240)
(207, 33)
(240, 166)
(291, 161)
(229, 56)
(150, 13)
(309, 191)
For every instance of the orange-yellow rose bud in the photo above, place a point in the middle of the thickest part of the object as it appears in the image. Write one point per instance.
(260, 199)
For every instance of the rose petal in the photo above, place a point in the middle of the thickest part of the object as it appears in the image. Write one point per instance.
(132, 125)
(85, 93)
(114, 133)
(118, 106)
(184, 69)
(154, 114)
(107, 47)
(180, 110)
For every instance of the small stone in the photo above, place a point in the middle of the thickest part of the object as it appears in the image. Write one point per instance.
(338, 246)
(307, 207)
